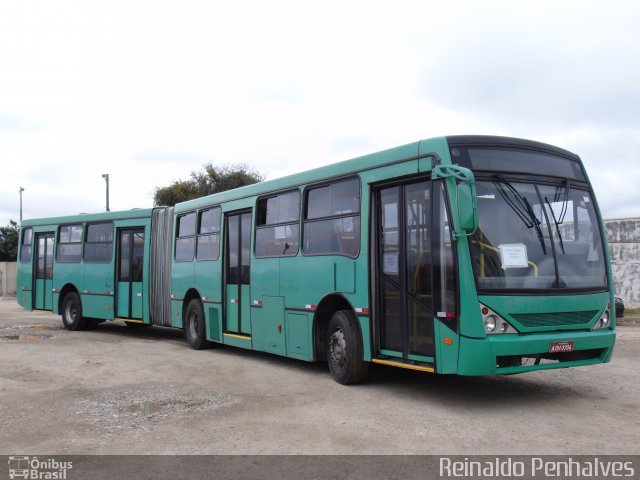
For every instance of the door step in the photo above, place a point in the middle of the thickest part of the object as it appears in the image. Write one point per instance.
(408, 366)
(235, 335)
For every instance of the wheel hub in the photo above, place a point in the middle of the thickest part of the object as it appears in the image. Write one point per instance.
(193, 324)
(71, 311)
(338, 348)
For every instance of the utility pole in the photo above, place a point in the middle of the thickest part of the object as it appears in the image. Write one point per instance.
(21, 190)
(106, 179)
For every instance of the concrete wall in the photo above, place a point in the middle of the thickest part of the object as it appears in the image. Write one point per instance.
(624, 246)
(7, 278)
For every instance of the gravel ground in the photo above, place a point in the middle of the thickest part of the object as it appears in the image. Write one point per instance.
(122, 390)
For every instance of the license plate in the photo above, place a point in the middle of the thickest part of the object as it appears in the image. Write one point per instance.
(561, 347)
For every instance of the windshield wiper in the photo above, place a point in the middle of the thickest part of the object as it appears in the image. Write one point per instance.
(521, 206)
(563, 211)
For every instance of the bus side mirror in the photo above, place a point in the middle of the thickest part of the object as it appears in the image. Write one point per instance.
(465, 204)
(467, 208)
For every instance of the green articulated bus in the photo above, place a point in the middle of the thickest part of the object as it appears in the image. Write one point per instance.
(469, 255)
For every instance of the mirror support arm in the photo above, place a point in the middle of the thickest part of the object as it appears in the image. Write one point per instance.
(466, 205)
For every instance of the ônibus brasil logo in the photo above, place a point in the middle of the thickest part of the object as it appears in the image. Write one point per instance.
(35, 469)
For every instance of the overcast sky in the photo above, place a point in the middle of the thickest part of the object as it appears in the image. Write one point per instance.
(148, 91)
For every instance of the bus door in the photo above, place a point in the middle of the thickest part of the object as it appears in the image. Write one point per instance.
(43, 288)
(404, 263)
(130, 272)
(237, 273)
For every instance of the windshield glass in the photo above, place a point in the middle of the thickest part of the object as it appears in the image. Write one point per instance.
(534, 236)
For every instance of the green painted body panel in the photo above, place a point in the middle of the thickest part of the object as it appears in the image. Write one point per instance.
(182, 278)
(99, 281)
(232, 309)
(245, 309)
(136, 300)
(344, 272)
(97, 306)
(365, 323)
(43, 294)
(307, 280)
(25, 298)
(265, 276)
(298, 335)
(478, 357)
(123, 300)
(214, 323)
(259, 331)
(67, 275)
(272, 325)
(176, 313)
(446, 354)
(208, 280)
(56, 303)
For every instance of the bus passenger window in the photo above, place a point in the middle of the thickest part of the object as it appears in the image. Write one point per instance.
(185, 237)
(69, 248)
(277, 225)
(99, 244)
(25, 247)
(208, 246)
(332, 220)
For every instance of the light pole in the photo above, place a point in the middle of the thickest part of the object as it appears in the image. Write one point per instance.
(21, 190)
(106, 179)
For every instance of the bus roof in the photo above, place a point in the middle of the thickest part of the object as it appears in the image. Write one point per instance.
(496, 141)
(346, 167)
(409, 151)
(90, 217)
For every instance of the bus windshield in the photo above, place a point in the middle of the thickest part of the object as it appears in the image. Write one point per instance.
(535, 236)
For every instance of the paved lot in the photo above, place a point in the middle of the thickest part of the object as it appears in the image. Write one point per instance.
(120, 390)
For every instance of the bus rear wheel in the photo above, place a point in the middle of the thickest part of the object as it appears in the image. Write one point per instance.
(72, 312)
(194, 328)
(344, 349)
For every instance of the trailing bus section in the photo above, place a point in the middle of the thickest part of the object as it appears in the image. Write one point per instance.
(467, 255)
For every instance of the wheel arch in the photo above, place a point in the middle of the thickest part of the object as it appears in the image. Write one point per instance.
(191, 294)
(329, 304)
(68, 288)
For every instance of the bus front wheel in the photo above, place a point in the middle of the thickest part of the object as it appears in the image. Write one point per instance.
(344, 349)
(72, 312)
(194, 328)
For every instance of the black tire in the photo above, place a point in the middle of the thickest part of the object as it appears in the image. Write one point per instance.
(194, 328)
(72, 312)
(344, 349)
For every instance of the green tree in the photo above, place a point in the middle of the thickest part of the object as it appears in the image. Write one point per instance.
(212, 179)
(9, 242)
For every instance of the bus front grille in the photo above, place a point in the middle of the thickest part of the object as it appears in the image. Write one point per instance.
(555, 319)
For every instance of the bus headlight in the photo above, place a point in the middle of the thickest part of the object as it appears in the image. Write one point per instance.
(494, 323)
(490, 323)
(605, 319)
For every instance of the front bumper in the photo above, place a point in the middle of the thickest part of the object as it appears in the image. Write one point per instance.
(500, 354)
